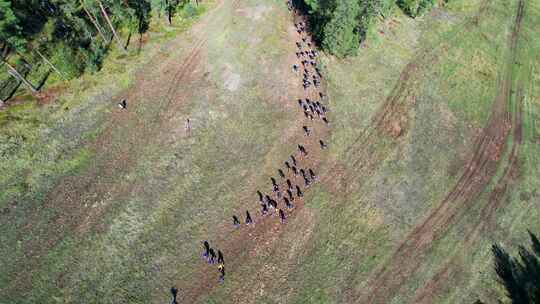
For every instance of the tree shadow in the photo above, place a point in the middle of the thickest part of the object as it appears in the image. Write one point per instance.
(520, 276)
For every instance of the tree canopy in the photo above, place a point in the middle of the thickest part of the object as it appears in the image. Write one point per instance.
(340, 25)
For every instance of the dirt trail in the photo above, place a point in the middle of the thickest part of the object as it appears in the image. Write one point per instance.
(478, 173)
(245, 243)
(451, 268)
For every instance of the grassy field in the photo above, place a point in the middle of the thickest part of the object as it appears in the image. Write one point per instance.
(99, 205)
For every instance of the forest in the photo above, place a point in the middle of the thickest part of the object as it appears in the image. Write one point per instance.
(340, 25)
(69, 37)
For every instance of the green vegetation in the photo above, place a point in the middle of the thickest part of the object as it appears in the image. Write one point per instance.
(70, 37)
(340, 25)
(102, 205)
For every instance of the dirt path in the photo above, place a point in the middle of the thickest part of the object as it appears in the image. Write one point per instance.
(479, 171)
(246, 243)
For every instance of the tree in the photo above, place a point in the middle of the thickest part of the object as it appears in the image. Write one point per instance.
(94, 20)
(10, 31)
(341, 36)
(104, 12)
(519, 276)
(415, 8)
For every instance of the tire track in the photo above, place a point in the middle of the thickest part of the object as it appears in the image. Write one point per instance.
(478, 173)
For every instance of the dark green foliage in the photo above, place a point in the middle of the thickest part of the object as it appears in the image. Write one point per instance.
(520, 276)
(415, 8)
(64, 32)
(340, 25)
(341, 33)
(10, 31)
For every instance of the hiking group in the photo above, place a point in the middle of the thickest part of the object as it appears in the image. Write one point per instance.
(294, 175)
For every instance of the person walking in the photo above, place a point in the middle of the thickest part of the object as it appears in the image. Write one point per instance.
(236, 222)
(174, 292)
(282, 216)
(221, 269)
(220, 259)
(187, 126)
(212, 256)
(299, 192)
(248, 218)
(206, 249)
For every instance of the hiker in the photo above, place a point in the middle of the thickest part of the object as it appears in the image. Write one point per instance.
(236, 222)
(273, 203)
(212, 256)
(280, 172)
(206, 249)
(323, 145)
(291, 197)
(312, 174)
(264, 209)
(122, 104)
(288, 203)
(281, 216)
(174, 292)
(187, 126)
(300, 103)
(289, 184)
(307, 182)
(220, 259)
(299, 192)
(287, 165)
(306, 130)
(293, 160)
(248, 218)
(221, 269)
(325, 120)
(302, 150)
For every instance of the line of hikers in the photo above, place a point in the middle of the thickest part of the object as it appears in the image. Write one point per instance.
(311, 76)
